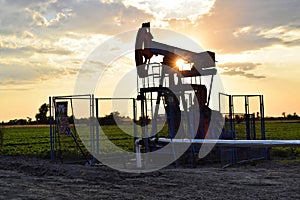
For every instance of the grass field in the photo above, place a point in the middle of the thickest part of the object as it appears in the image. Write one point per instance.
(35, 141)
(26, 141)
(284, 131)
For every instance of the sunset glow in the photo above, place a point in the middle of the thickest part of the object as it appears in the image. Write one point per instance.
(44, 44)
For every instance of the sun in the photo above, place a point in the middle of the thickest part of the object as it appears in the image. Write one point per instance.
(183, 65)
(179, 63)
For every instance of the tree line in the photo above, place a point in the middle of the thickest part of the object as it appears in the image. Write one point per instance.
(42, 117)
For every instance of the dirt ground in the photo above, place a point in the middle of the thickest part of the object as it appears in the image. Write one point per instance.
(32, 178)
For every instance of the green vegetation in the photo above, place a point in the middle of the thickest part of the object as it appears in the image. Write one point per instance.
(288, 130)
(35, 141)
(26, 141)
(276, 130)
(1, 137)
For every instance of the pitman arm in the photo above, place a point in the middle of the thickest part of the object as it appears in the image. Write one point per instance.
(145, 48)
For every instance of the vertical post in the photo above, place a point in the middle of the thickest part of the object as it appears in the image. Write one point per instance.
(97, 126)
(253, 127)
(136, 145)
(172, 123)
(134, 119)
(191, 119)
(247, 118)
(210, 88)
(146, 117)
(231, 116)
(92, 130)
(93, 123)
(262, 126)
(57, 142)
(220, 103)
(51, 130)
(154, 116)
(143, 121)
(262, 114)
(232, 127)
(232, 111)
(183, 130)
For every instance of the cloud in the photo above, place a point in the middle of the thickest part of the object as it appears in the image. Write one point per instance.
(244, 69)
(287, 34)
(14, 89)
(69, 16)
(180, 9)
(227, 26)
(98, 17)
(27, 44)
(236, 26)
(29, 74)
(46, 73)
(40, 41)
(29, 51)
(50, 19)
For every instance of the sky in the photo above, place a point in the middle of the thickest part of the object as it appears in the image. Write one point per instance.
(44, 44)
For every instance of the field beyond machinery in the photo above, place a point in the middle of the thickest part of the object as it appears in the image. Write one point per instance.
(35, 140)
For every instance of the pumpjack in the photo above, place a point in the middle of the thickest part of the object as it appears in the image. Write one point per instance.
(186, 103)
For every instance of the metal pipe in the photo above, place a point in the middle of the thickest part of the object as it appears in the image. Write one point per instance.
(51, 130)
(228, 143)
(97, 126)
(138, 152)
(210, 88)
(235, 143)
(72, 96)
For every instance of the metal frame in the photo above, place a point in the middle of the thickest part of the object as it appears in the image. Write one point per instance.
(98, 108)
(54, 136)
(95, 140)
(250, 126)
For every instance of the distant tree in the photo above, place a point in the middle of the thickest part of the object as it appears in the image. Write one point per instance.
(111, 119)
(29, 120)
(21, 122)
(293, 117)
(12, 122)
(238, 119)
(143, 121)
(17, 122)
(283, 113)
(41, 117)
